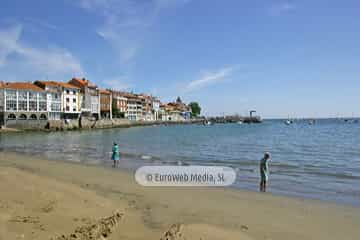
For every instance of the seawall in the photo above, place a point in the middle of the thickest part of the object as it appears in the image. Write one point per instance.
(88, 124)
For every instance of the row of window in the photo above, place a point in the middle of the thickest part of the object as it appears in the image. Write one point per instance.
(23, 106)
(24, 117)
(67, 108)
(68, 100)
(73, 92)
(24, 96)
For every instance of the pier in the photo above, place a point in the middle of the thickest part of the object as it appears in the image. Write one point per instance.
(235, 119)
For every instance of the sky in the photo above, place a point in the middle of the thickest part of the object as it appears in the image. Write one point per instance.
(280, 58)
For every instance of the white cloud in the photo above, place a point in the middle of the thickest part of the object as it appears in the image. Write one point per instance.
(126, 22)
(210, 78)
(43, 61)
(8, 42)
(281, 8)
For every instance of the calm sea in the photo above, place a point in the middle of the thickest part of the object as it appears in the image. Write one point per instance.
(320, 161)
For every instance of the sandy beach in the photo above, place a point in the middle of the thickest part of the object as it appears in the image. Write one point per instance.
(43, 199)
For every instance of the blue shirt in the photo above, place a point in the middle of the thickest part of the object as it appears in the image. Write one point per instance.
(115, 153)
(264, 169)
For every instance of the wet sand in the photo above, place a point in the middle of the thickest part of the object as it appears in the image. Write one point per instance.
(43, 199)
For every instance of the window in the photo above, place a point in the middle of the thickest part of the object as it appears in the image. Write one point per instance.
(67, 108)
(11, 100)
(67, 92)
(74, 109)
(33, 117)
(22, 117)
(32, 101)
(22, 105)
(11, 116)
(42, 97)
(43, 117)
(74, 92)
(32, 106)
(42, 106)
(74, 100)
(55, 107)
(42, 102)
(11, 105)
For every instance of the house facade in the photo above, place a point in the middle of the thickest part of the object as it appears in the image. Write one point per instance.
(147, 107)
(175, 111)
(22, 102)
(105, 104)
(155, 106)
(90, 102)
(63, 99)
(119, 104)
(70, 101)
(135, 107)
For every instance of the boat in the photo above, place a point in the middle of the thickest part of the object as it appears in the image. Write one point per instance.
(288, 122)
(240, 122)
(208, 123)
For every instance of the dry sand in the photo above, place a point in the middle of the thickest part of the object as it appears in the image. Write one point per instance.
(41, 199)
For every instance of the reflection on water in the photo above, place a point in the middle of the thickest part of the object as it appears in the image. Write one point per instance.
(317, 161)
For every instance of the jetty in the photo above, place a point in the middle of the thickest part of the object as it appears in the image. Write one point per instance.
(235, 118)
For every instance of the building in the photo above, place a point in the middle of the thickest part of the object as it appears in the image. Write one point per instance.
(90, 102)
(22, 103)
(175, 111)
(147, 107)
(135, 106)
(155, 105)
(64, 99)
(105, 104)
(119, 104)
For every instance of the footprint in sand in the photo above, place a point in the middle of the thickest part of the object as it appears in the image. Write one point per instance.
(244, 227)
(174, 233)
(49, 207)
(97, 231)
(26, 219)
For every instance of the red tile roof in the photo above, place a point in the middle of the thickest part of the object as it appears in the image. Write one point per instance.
(103, 91)
(68, 85)
(83, 82)
(22, 86)
(58, 84)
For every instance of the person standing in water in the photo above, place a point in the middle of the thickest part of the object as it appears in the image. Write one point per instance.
(264, 171)
(115, 155)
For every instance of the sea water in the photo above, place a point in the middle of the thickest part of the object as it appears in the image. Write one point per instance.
(319, 161)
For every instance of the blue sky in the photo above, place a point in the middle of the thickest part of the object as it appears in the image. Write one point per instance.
(282, 58)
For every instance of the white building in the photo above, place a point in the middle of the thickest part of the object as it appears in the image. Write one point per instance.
(63, 99)
(155, 104)
(21, 102)
(90, 102)
(71, 101)
(135, 111)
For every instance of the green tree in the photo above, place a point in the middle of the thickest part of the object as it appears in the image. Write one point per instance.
(195, 108)
(115, 110)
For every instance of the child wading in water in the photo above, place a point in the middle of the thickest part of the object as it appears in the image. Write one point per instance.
(264, 171)
(115, 155)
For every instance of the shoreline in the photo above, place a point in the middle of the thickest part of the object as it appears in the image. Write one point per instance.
(130, 170)
(210, 213)
(60, 125)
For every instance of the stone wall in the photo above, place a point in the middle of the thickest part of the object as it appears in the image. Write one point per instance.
(57, 125)
(83, 123)
(26, 124)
